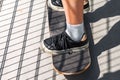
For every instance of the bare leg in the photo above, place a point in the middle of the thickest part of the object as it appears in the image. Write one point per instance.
(74, 12)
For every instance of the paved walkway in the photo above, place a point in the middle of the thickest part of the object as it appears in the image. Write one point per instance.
(22, 27)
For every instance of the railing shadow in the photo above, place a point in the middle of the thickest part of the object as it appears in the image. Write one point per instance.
(110, 9)
(111, 76)
(111, 40)
(1, 2)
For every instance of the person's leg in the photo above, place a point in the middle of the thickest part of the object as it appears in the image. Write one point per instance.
(73, 37)
(73, 11)
(74, 18)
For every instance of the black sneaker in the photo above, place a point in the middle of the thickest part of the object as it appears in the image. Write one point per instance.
(57, 5)
(62, 43)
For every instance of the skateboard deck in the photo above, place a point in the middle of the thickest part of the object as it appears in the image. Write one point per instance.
(68, 63)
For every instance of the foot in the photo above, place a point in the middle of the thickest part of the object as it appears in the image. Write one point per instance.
(62, 43)
(57, 5)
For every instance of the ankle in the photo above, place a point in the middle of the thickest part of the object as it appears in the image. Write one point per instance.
(75, 32)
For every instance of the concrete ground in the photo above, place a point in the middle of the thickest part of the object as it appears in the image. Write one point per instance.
(23, 25)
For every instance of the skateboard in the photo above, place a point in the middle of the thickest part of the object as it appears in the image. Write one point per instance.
(69, 62)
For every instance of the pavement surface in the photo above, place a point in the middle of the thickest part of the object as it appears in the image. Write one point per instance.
(23, 25)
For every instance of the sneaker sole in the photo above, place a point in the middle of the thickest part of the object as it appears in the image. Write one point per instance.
(56, 52)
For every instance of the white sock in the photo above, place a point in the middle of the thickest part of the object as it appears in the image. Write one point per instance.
(75, 32)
